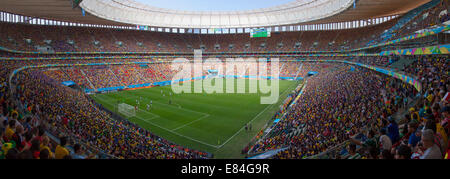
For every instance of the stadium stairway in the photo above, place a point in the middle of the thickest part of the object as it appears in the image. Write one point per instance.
(401, 63)
(296, 131)
(85, 76)
(117, 78)
(298, 71)
(282, 67)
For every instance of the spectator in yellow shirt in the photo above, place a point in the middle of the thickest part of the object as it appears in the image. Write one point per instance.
(9, 130)
(45, 146)
(61, 151)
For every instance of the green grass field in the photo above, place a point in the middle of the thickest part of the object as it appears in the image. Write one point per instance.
(208, 122)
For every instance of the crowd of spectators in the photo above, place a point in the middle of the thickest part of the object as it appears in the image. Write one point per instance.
(431, 17)
(68, 112)
(49, 120)
(105, 76)
(84, 39)
(336, 104)
(367, 101)
(423, 132)
(352, 111)
(318, 126)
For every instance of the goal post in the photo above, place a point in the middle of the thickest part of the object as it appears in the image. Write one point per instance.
(126, 109)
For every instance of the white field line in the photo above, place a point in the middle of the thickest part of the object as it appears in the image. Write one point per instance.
(172, 131)
(178, 134)
(220, 146)
(205, 115)
(191, 122)
(195, 140)
(154, 115)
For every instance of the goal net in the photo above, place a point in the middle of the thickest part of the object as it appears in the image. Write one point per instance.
(126, 109)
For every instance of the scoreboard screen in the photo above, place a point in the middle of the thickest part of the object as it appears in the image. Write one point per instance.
(259, 33)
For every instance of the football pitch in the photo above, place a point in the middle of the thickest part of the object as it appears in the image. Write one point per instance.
(213, 123)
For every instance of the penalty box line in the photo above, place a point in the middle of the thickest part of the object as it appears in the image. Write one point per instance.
(173, 131)
(176, 133)
(195, 140)
(205, 115)
(189, 123)
(154, 115)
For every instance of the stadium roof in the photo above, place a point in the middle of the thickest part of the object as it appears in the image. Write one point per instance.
(213, 5)
(133, 12)
(130, 12)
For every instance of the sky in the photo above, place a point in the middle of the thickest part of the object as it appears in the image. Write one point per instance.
(213, 5)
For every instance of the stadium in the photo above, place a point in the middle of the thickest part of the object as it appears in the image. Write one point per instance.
(288, 79)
